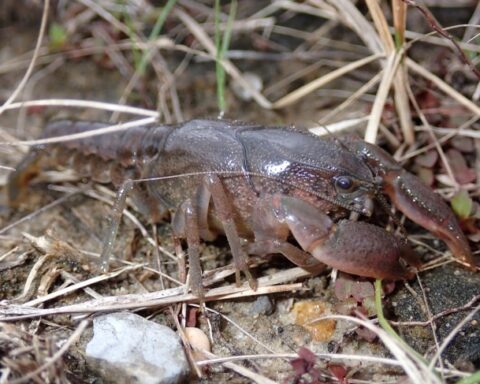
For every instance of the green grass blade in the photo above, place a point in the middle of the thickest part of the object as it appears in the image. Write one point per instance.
(222, 43)
(154, 34)
(385, 324)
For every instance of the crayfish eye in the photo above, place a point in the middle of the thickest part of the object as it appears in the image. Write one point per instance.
(344, 183)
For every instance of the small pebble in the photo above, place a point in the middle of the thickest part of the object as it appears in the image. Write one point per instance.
(126, 348)
(262, 306)
(199, 342)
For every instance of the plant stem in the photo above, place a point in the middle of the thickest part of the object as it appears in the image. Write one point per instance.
(222, 44)
(385, 324)
(154, 34)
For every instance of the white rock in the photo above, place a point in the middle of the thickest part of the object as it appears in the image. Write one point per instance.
(126, 348)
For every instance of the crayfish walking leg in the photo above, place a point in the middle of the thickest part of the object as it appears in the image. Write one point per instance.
(191, 220)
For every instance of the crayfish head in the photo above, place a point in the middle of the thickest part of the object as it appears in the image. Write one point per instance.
(354, 194)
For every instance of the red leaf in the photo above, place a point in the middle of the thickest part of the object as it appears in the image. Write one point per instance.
(343, 287)
(300, 366)
(426, 175)
(307, 355)
(366, 334)
(428, 159)
(347, 287)
(463, 144)
(462, 173)
(427, 100)
(339, 372)
(362, 290)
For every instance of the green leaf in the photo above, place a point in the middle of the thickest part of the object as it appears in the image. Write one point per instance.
(462, 204)
(473, 379)
(57, 35)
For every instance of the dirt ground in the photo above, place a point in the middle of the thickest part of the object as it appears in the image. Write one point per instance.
(53, 240)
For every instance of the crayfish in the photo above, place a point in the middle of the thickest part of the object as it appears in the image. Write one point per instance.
(267, 189)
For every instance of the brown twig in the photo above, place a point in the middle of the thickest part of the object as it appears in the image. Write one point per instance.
(442, 32)
(439, 315)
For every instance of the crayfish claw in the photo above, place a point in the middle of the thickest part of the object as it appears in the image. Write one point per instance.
(366, 250)
(423, 206)
(415, 200)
